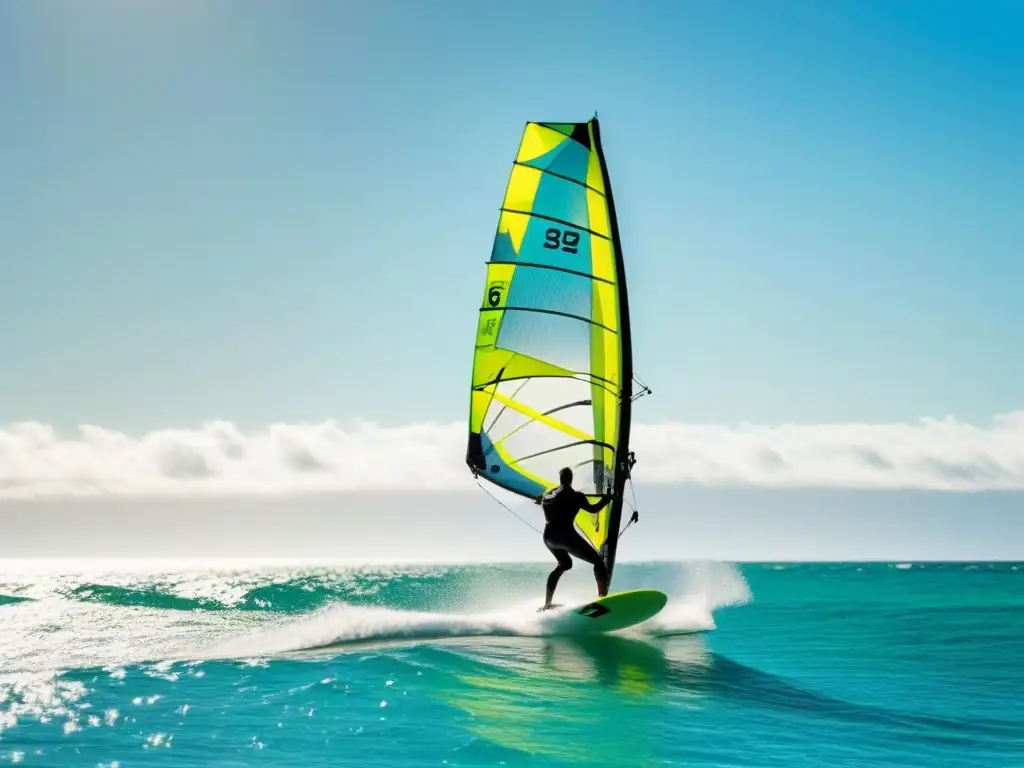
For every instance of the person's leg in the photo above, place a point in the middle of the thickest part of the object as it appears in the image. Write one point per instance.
(564, 564)
(577, 546)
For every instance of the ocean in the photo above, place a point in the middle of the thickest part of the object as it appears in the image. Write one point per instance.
(824, 664)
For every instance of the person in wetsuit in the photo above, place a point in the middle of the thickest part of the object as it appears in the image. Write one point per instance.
(561, 505)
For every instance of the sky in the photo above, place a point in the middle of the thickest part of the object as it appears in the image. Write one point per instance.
(367, 527)
(240, 240)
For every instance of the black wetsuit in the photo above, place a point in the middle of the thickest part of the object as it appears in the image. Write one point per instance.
(561, 506)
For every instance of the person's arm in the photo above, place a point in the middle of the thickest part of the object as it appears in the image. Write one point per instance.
(594, 508)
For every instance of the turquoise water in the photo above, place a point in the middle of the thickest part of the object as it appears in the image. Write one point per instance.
(778, 665)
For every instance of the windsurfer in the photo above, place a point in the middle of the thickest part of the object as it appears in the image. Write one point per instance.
(561, 505)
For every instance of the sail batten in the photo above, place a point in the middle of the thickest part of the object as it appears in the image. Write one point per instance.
(549, 172)
(552, 360)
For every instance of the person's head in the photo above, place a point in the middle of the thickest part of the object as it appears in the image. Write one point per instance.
(565, 476)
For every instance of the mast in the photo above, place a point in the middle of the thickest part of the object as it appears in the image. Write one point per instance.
(626, 376)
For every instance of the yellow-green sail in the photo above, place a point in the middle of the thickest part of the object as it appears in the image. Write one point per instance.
(552, 367)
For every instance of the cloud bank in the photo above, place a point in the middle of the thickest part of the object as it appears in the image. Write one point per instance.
(219, 458)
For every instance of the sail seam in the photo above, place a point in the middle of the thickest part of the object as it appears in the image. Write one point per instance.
(560, 176)
(606, 384)
(588, 275)
(553, 220)
(549, 312)
(602, 443)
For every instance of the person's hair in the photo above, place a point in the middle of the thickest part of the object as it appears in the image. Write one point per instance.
(565, 476)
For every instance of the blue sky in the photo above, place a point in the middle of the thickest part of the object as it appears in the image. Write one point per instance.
(268, 211)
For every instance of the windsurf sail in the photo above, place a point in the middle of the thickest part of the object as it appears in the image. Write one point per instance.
(552, 368)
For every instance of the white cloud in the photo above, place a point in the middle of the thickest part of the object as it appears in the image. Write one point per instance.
(219, 458)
